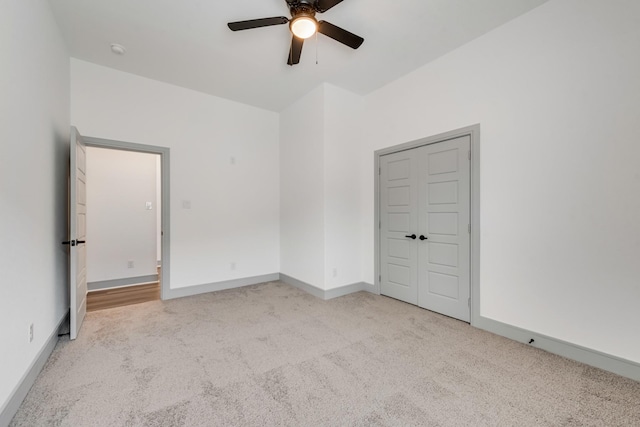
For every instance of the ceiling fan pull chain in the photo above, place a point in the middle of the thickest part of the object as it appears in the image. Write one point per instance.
(316, 48)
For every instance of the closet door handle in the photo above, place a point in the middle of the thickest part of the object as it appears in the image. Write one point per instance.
(413, 236)
(423, 238)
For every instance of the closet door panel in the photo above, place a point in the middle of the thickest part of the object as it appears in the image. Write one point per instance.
(398, 219)
(443, 218)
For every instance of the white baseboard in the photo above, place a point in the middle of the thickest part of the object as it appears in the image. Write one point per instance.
(329, 293)
(117, 283)
(247, 281)
(303, 286)
(220, 286)
(607, 362)
(12, 405)
(348, 289)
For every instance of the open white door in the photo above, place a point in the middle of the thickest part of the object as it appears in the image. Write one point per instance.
(77, 231)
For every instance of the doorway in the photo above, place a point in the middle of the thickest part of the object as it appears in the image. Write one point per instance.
(160, 211)
(77, 219)
(427, 223)
(123, 227)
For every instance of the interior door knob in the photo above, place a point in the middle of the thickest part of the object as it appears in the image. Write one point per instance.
(423, 237)
(413, 236)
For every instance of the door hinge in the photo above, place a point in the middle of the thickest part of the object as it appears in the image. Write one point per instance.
(469, 228)
(380, 278)
(469, 155)
(469, 301)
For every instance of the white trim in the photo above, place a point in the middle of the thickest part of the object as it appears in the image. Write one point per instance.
(607, 362)
(348, 289)
(20, 391)
(303, 286)
(120, 283)
(329, 293)
(134, 285)
(219, 286)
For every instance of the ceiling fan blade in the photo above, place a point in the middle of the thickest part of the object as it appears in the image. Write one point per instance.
(257, 23)
(338, 34)
(324, 5)
(295, 51)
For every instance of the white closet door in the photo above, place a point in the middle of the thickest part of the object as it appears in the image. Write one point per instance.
(398, 219)
(77, 231)
(444, 218)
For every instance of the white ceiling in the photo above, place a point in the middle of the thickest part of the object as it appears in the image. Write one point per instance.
(187, 42)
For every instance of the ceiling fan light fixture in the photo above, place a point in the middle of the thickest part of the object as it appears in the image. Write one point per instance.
(304, 27)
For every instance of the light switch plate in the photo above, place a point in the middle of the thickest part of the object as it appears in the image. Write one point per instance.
(148, 206)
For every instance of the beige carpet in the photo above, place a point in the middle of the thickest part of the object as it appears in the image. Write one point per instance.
(273, 355)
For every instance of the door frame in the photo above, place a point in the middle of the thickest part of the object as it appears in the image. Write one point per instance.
(165, 225)
(473, 132)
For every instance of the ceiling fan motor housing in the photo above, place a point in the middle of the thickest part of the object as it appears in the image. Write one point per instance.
(302, 9)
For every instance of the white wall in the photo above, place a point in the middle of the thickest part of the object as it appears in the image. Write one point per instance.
(342, 187)
(119, 227)
(302, 189)
(34, 155)
(557, 95)
(321, 189)
(234, 215)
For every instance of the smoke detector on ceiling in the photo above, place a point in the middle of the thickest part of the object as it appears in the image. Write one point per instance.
(118, 49)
